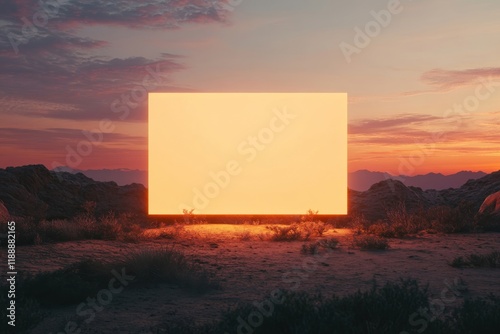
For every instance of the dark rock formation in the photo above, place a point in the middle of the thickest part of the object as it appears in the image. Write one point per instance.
(490, 209)
(37, 192)
(385, 195)
(4, 213)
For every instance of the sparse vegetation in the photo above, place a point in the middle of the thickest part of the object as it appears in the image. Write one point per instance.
(168, 266)
(452, 220)
(311, 248)
(169, 232)
(66, 286)
(386, 309)
(75, 282)
(400, 222)
(296, 232)
(478, 315)
(287, 233)
(245, 236)
(189, 217)
(309, 227)
(314, 248)
(329, 243)
(490, 260)
(110, 226)
(314, 228)
(370, 242)
(28, 311)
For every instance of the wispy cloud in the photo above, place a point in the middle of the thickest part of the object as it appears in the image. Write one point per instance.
(402, 131)
(450, 79)
(376, 125)
(46, 140)
(129, 13)
(441, 80)
(86, 86)
(57, 67)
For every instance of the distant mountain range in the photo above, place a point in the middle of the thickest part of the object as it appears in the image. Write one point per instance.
(35, 191)
(122, 176)
(360, 180)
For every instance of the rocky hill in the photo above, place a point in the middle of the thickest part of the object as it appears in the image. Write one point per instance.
(35, 191)
(387, 194)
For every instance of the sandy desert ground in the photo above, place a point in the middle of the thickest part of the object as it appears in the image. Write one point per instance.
(249, 268)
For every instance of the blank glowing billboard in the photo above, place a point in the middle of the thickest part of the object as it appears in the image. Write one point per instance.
(247, 153)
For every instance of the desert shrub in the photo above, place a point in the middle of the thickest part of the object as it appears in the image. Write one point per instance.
(169, 232)
(122, 227)
(329, 243)
(490, 260)
(168, 266)
(401, 222)
(477, 316)
(245, 236)
(30, 232)
(88, 226)
(313, 228)
(310, 216)
(311, 224)
(314, 248)
(74, 283)
(69, 285)
(370, 242)
(189, 217)
(302, 231)
(392, 308)
(109, 228)
(383, 309)
(452, 220)
(28, 312)
(287, 233)
(58, 230)
(26, 232)
(359, 223)
(311, 248)
(381, 229)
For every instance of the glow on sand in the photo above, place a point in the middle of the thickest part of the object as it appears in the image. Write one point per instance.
(247, 153)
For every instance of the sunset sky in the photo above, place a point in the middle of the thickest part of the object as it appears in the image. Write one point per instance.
(423, 85)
